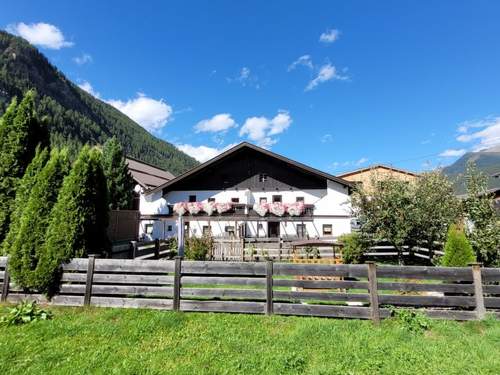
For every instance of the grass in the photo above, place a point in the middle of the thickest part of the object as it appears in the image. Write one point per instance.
(122, 341)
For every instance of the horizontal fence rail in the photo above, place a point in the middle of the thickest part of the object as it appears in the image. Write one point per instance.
(364, 291)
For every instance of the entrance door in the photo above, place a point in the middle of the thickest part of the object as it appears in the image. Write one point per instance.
(273, 229)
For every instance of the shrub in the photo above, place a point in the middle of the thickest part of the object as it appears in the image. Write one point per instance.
(458, 251)
(25, 312)
(353, 247)
(22, 196)
(411, 320)
(198, 248)
(27, 246)
(79, 219)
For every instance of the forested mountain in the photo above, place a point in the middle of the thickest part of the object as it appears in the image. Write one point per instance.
(487, 161)
(75, 117)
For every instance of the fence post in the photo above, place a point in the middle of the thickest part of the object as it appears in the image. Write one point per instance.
(177, 283)
(90, 278)
(478, 290)
(373, 289)
(133, 249)
(6, 281)
(157, 248)
(269, 287)
(280, 247)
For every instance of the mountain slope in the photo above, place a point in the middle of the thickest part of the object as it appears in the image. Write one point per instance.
(74, 116)
(488, 161)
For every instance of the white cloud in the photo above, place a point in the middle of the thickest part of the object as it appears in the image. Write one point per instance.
(86, 86)
(488, 135)
(83, 59)
(450, 153)
(260, 129)
(150, 113)
(203, 153)
(304, 60)
(40, 34)
(326, 73)
(218, 123)
(329, 36)
(361, 161)
(326, 138)
(245, 78)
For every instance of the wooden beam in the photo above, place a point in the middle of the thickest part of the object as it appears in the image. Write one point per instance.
(478, 290)
(372, 289)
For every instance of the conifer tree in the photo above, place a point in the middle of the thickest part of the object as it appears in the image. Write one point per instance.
(21, 131)
(118, 178)
(27, 248)
(22, 196)
(458, 251)
(79, 219)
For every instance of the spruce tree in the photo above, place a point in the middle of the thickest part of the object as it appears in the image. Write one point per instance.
(79, 219)
(118, 178)
(457, 250)
(22, 196)
(27, 248)
(21, 131)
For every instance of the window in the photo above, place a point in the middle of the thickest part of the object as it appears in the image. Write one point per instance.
(169, 228)
(229, 229)
(211, 199)
(262, 177)
(235, 200)
(192, 198)
(149, 228)
(207, 230)
(276, 198)
(260, 226)
(327, 229)
(301, 230)
(262, 200)
(299, 199)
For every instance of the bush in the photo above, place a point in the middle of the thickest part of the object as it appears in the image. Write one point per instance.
(27, 246)
(353, 247)
(458, 251)
(25, 312)
(411, 320)
(79, 219)
(197, 248)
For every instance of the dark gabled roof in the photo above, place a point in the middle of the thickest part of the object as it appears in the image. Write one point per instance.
(147, 175)
(375, 166)
(243, 145)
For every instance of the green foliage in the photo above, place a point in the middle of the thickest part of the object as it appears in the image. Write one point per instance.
(118, 178)
(404, 213)
(25, 312)
(75, 117)
(79, 219)
(457, 251)
(27, 248)
(22, 196)
(484, 227)
(353, 248)
(20, 133)
(411, 320)
(197, 248)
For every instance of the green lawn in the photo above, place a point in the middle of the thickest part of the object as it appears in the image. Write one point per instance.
(121, 341)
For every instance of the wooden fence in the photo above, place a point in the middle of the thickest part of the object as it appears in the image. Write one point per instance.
(155, 249)
(347, 291)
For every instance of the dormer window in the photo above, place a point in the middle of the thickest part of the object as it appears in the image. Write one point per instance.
(262, 177)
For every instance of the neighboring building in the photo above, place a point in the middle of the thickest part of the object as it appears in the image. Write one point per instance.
(246, 179)
(379, 172)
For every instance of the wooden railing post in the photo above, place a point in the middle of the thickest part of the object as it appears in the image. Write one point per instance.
(157, 248)
(6, 281)
(177, 283)
(373, 290)
(133, 249)
(269, 287)
(478, 290)
(90, 278)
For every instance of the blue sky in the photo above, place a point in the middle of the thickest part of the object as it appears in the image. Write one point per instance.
(336, 85)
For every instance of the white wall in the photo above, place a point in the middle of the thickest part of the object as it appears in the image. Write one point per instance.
(332, 201)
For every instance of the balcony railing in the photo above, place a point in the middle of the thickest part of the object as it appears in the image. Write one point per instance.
(246, 210)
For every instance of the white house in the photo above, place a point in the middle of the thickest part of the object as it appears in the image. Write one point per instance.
(248, 191)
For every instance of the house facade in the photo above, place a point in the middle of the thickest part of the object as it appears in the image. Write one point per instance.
(250, 192)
